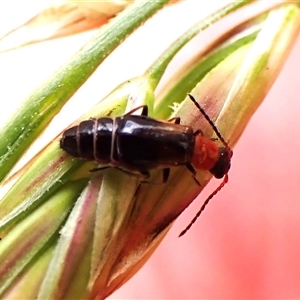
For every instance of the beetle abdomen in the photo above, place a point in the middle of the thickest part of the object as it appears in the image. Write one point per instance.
(90, 140)
(103, 140)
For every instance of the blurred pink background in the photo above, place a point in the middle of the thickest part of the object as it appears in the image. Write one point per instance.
(247, 243)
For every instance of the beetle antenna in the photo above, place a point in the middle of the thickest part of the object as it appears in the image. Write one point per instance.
(225, 180)
(209, 120)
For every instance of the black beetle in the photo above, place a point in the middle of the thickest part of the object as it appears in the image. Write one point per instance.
(138, 143)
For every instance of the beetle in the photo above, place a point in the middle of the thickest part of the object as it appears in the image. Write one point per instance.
(139, 144)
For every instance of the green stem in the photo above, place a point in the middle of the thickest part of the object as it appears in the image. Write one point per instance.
(156, 71)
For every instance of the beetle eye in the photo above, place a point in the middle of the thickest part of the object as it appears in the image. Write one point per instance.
(222, 166)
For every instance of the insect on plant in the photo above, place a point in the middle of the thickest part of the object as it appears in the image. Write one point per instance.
(138, 144)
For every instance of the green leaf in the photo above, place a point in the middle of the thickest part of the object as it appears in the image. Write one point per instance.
(24, 241)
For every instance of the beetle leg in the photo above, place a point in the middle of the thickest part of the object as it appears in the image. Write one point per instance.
(176, 120)
(99, 169)
(166, 174)
(145, 174)
(143, 113)
(192, 170)
(198, 132)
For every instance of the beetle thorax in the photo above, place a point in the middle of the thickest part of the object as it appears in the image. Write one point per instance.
(206, 153)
